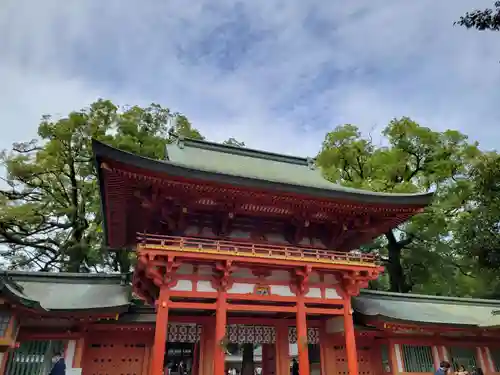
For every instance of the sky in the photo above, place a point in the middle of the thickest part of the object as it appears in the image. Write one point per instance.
(276, 74)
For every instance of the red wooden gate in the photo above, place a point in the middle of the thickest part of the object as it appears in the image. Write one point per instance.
(365, 365)
(115, 356)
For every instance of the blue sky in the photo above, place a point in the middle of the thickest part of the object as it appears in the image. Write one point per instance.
(276, 74)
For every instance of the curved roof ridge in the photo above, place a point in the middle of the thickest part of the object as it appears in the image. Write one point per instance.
(245, 151)
(309, 183)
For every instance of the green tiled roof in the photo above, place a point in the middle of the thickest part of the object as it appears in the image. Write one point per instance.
(265, 166)
(428, 309)
(243, 162)
(66, 291)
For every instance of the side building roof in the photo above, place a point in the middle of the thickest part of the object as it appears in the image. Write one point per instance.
(245, 167)
(73, 292)
(424, 309)
(58, 292)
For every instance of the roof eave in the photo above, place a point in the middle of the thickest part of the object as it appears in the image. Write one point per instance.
(103, 201)
(94, 310)
(12, 295)
(393, 320)
(107, 152)
(377, 294)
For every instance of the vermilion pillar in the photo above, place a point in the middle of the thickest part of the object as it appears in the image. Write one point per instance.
(327, 352)
(196, 355)
(302, 342)
(282, 350)
(350, 340)
(220, 334)
(161, 331)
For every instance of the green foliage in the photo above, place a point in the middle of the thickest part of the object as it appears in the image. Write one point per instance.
(486, 19)
(477, 234)
(50, 215)
(411, 159)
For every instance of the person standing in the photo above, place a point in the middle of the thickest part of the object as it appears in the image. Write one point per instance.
(295, 367)
(443, 369)
(58, 365)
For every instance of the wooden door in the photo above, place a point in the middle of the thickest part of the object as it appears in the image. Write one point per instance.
(365, 365)
(114, 356)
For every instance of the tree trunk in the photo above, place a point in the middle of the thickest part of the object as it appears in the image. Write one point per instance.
(397, 279)
(247, 365)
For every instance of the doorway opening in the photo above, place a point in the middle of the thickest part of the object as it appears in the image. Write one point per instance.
(180, 358)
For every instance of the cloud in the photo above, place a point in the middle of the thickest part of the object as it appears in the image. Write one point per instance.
(275, 74)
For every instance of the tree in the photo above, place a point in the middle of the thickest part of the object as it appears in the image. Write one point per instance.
(477, 234)
(486, 19)
(416, 159)
(50, 215)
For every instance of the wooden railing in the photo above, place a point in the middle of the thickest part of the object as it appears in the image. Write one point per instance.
(239, 248)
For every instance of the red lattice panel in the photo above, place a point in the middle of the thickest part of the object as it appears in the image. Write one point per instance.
(364, 361)
(114, 357)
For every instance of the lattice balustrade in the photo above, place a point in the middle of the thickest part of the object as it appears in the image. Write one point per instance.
(237, 248)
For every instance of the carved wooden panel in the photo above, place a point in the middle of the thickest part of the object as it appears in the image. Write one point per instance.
(184, 333)
(312, 335)
(365, 365)
(255, 334)
(123, 356)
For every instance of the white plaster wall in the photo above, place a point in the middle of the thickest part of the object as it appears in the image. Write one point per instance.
(331, 293)
(281, 290)
(314, 293)
(205, 286)
(241, 288)
(183, 286)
